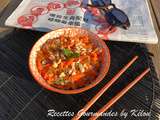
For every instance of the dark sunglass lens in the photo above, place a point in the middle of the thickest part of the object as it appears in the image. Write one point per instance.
(121, 16)
(100, 2)
(118, 18)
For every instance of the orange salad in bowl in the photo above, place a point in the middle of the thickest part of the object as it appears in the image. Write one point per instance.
(69, 60)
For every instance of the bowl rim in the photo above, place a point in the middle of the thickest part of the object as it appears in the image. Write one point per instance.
(80, 90)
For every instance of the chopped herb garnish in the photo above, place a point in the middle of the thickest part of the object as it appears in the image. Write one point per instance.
(61, 81)
(75, 55)
(70, 54)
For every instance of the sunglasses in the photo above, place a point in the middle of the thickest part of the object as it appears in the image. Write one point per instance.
(112, 14)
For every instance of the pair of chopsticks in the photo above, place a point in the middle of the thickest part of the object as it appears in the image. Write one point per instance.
(106, 87)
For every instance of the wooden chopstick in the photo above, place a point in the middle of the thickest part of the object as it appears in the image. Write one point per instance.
(101, 92)
(119, 95)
